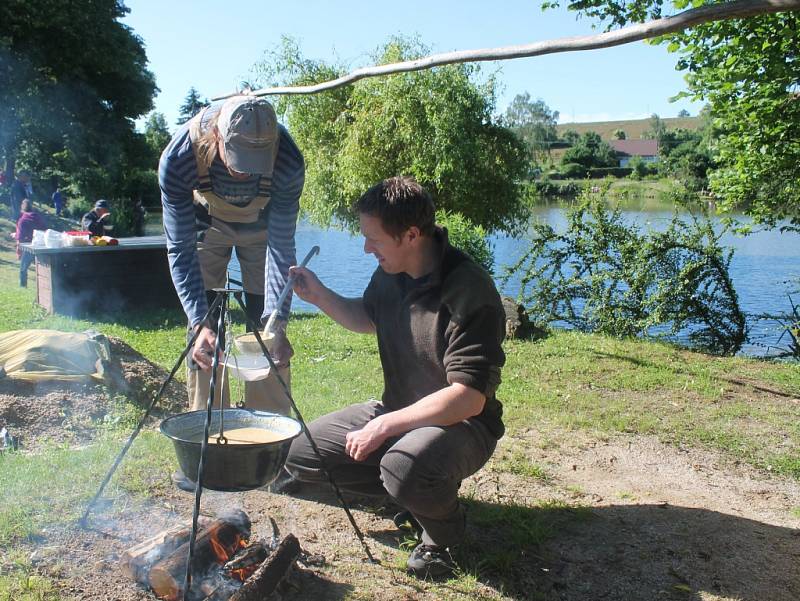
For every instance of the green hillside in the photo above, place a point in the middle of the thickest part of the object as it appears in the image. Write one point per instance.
(633, 128)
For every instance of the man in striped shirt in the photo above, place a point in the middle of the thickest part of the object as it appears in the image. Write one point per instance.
(231, 177)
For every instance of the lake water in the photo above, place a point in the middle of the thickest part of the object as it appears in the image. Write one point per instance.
(762, 268)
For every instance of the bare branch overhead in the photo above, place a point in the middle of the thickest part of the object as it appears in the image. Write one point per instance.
(634, 33)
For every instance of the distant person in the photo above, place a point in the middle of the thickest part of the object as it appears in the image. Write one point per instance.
(29, 220)
(139, 215)
(58, 200)
(19, 192)
(98, 220)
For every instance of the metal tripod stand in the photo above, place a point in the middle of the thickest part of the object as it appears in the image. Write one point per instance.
(221, 302)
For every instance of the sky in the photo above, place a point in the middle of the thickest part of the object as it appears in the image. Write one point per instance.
(212, 45)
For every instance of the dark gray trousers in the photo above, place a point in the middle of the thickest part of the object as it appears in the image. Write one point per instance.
(421, 470)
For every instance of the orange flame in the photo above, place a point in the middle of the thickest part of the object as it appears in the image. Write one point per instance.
(243, 574)
(223, 552)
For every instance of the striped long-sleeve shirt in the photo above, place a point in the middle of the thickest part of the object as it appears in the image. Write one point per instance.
(177, 176)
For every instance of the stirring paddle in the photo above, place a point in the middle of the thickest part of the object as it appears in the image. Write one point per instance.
(271, 321)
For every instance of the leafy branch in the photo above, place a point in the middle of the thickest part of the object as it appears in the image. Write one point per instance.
(604, 275)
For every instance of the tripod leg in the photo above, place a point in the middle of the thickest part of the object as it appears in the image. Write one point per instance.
(140, 425)
(273, 367)
(198, 487)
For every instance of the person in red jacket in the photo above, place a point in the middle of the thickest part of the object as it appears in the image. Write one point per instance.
(29, 220)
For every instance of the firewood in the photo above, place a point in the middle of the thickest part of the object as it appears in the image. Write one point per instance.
(137, 560)
(250, 557)
(267, 577)
(167, 576)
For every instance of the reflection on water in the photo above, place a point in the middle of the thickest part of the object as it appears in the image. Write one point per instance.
(762, 268)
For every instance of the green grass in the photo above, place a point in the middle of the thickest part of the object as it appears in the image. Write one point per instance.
(20, 582)
(515, 462)
(513, 528)
(606, 385)
(57, 483)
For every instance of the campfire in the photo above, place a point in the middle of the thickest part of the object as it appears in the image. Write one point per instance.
(227, 565)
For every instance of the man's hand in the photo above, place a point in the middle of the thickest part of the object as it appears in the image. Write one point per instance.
(361, 443)
(306, 284)
(203, 349)
(280, 348)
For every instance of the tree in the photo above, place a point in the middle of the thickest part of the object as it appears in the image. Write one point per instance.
(535, 123)
(156, 134)
(192, 105)
(672, 138)
(436, 125)
(619, 134)
(748, 72)
(683, 113)
(571, 137)
(590, 151)
(74, 78)
(656, 130)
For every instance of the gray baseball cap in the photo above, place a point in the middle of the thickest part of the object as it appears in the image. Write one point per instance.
(248, 128)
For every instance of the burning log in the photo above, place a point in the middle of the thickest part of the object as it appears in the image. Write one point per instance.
(137, 560)
(246, 561)
(267, 577)
(214, 545)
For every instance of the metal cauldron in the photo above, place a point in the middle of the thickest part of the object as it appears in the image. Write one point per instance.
(231, 467)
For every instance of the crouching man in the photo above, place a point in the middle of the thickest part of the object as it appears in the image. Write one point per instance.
(440, 323)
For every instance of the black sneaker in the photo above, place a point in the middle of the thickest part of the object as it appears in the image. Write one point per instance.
(405, 520)
(180, 480)
(430, 562)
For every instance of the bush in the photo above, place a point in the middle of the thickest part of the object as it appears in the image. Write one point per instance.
(143, 184)
(467, 236)
(601, 172)
(546, 188)
(573, 170)
(639, 168)
(603, 275)
(77, 207)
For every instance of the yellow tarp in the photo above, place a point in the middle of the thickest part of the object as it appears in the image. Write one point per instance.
(37, 355)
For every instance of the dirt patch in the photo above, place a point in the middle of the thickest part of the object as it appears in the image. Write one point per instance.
(665, 523)
(69, 413)
(655, 522)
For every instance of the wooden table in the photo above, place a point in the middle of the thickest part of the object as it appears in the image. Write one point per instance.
(80, 280)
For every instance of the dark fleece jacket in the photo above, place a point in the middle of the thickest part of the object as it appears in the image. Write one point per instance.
(444, 328)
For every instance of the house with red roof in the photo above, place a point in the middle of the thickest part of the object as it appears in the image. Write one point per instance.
(627, 149)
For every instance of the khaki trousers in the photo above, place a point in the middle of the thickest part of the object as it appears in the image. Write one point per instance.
(263, 395)
(214, 253)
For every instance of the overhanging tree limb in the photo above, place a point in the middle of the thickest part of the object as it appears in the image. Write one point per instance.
(634, 33)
